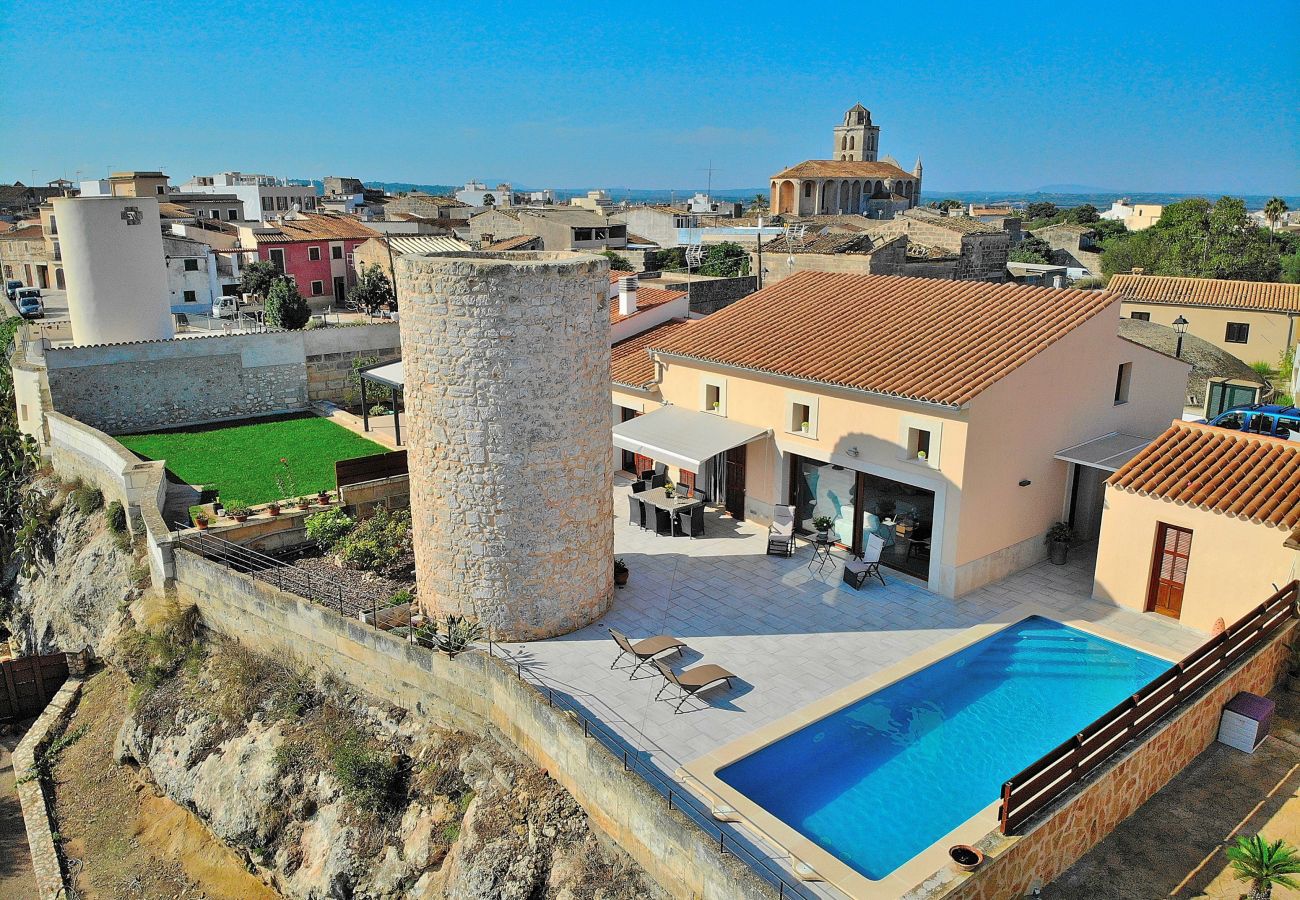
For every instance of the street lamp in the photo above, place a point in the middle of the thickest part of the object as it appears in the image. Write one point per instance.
(1180, 329)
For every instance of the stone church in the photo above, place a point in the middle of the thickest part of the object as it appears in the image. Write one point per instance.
(852, 181)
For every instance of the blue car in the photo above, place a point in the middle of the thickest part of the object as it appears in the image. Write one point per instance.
(1258, 418)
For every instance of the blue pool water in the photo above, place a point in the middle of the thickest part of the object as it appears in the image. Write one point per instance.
(877, 782)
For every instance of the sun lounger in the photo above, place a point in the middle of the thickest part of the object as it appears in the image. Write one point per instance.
(692, 681)
(643, 651)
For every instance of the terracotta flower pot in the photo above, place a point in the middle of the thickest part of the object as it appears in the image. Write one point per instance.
(242, 518)
(273, 509)
(966, 857)
(202, 524)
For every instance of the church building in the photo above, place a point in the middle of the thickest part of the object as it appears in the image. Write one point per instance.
(852, 181)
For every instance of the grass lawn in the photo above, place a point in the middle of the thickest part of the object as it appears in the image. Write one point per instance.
(241, 459)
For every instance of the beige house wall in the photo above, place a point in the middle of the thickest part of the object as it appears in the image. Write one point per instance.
(1270, 332)
(1233, 563)
(1143, 217)
(1058, 399)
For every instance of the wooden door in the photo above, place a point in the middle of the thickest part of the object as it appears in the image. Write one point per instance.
(628, 460)
(734, 502)
(1169, 570)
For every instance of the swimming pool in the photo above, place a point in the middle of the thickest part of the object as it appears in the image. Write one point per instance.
(880, 780)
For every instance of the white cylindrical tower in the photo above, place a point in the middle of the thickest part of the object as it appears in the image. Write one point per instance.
(113, 260)
(506, 364)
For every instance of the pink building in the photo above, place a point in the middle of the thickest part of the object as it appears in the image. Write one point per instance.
(314, 249)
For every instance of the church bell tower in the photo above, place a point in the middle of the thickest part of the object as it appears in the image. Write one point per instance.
(857, 139)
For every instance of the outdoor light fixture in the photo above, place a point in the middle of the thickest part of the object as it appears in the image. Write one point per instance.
(1180, 329)
(1025, 482)
(852, 451)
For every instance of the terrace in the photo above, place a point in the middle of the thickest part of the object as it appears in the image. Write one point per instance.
(792, 633)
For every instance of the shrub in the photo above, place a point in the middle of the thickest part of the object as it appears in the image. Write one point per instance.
(380, 410)
(1091, 283)
(377, 542)
(399, 597)
(328, 527)
(116, 516)
(151, 657)
(87, 499)
(285, 307)
(369, 774)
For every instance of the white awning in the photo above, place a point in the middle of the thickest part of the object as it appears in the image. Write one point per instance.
(683, 437)
(1108, 452)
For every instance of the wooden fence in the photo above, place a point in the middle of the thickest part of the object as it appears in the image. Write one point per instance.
(1058, 771)
(369, 468)
(29, 683)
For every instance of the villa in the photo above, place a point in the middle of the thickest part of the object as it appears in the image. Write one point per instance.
(957, 421)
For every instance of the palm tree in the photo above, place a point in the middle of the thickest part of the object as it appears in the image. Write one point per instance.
(1264, 865)
(1274, 211)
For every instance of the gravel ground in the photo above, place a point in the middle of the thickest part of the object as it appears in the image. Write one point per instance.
(361, 590)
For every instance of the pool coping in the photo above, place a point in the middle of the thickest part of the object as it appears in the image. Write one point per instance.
(814, 863)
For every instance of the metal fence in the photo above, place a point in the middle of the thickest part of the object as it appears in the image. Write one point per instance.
(1058, 771)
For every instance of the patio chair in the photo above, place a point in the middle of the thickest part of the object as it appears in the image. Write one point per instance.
(657, 481)
(635, 512)
(663, 522)
(780, 534)
(639, 486)
(857, 571)
(647, 474)
(691, 681)
(643, 651)
(691, 521)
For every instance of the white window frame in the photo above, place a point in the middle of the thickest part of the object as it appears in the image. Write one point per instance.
(706, 401)
(313, 253)
(909, 429)
(1123, 383)
(794, 422)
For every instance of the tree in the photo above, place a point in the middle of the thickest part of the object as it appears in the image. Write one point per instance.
(1264, 865)
(1274, 211)
(667, 260)
(1032, 249)
(258, 277)
(1040, 210)
(373, 289)
(1085, 214)
(726, 260)
(618, 263)
(1291, 268)
(1198, 239)
(285, 307)
(758, 204)
(950, 203)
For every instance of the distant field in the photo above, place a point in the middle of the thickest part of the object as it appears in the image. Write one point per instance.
(241, 459)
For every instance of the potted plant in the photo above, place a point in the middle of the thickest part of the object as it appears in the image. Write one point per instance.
(717, 405)
(1264, 865)
(304, 502)
(803, 426)
(239, 512)
(1058, 542)
(620, 572)
(201, 520)
(823, 525)
(323, 498)
(273, 507)
(669, 489)
(966, 857)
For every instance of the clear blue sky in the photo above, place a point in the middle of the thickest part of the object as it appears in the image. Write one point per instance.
(1138, 95)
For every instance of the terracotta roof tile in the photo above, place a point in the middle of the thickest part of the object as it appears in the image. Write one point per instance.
(843, 168)
(823, 243)
(1260, 295)
(630, 364)
(1249, 476)
(511, 243)
(646, 298)
(25, 233)
(921, 338)
(316, 227)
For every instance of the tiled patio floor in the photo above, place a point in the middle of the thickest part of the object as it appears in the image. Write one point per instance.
(791, 634)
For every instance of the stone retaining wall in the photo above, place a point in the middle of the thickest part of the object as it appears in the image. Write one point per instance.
(46, 864)
(472, 691)
(1072, 826)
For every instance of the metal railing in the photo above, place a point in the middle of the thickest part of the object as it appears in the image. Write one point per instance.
(286, 577)
(1042, 782)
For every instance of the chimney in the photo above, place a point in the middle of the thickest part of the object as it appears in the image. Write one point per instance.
(627, 286)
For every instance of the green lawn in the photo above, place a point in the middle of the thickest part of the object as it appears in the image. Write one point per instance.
(241, 459)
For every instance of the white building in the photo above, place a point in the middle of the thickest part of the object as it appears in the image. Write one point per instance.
(596, 201)
(264, 196)
(113, 260)
(197, 276)
(476, 194)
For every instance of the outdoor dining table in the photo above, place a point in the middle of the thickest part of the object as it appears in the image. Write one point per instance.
(658, 498)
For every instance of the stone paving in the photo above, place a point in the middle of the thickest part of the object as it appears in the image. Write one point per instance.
(790, 633)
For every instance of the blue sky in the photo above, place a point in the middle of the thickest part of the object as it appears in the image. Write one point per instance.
(1193, 96)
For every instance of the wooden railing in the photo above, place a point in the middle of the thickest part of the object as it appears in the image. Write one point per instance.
(1058, 771)
(369, 468)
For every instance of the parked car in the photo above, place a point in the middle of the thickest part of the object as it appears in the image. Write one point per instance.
(1261, 418)
(30, 307)
(11, 287)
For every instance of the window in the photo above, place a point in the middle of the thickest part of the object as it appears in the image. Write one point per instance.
(191, 265)
(214, 214)
(1122, 379)
(807, 188)
(232, 214)
(277, 259)
(336, 252)
(919, 439)
(1285, 426)
(317, 288)
(23, 409)
(1237, 333)
(918, 443)
(1140, 316)
(267, 204)
(161, 189)
(800, 417)
(1262, 423)
(313, 253)
(712, 398)
(801, 414)
(191, 297)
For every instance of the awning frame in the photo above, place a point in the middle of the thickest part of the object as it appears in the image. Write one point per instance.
(663, 447)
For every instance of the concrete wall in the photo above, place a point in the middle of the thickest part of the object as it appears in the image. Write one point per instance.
(1070, 828)
(711, 295)
(1233, 561)
(473, 690)
(1270, 332)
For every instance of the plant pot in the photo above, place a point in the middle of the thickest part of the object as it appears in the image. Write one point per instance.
(273, 509)
(620, 578)
(202, 524)
(966, 857)
(323, 498)
(1058, 551)
(243, 518)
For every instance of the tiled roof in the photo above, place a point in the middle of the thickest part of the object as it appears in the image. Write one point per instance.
(629, 362)
(1249, 476)
(646, 298)
(921, 338)
(174, 211)
(315, 227)
(1269, 296)
(616, 274)
(1072, 227)
(823, 243)
(25, 233)
(960, 224)
(425, 243)
(843, 168)
(511, 243)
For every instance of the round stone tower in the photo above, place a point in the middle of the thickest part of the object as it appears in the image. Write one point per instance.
(506, 364)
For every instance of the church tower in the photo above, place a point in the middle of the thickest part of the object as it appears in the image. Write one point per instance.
(857, 139)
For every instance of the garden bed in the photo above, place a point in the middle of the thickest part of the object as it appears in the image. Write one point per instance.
(362, 591)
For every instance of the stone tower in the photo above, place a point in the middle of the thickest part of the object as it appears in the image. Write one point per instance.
(857, 139)
(506, 364)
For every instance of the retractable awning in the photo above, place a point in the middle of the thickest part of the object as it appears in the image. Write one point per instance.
(1108, 452)
(683, 437)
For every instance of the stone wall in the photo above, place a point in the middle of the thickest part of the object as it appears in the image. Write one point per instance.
(46, 865)
(506, 358)
(712, 295)
(330, 353)
(473, 691)
(1069, 828)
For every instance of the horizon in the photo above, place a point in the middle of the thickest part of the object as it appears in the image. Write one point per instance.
(547, 105)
